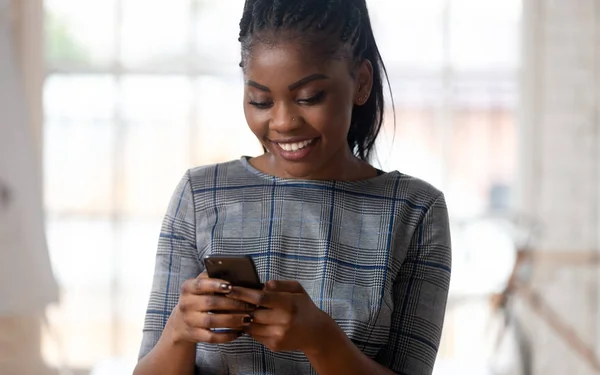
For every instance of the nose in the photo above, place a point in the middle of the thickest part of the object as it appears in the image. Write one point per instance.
(284, 119)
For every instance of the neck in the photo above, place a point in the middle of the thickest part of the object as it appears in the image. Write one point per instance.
(343, 166)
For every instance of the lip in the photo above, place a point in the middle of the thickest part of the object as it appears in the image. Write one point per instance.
(293, 140)
(295, 156)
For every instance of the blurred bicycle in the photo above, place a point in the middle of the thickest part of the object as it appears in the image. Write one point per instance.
(486, 252)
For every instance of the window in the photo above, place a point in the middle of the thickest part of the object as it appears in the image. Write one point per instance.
(138, 91)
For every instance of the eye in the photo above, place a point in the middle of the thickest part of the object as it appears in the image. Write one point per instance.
(261, 105)
(313, 99)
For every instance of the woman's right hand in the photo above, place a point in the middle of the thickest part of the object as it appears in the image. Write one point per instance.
(191, 320)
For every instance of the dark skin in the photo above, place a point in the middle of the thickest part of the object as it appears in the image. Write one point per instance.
(289, 94)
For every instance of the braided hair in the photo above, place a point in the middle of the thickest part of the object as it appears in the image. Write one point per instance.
(342, 23)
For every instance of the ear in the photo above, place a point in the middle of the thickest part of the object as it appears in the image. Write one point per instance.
(364, 82)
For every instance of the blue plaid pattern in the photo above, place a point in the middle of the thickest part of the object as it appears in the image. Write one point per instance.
(374, 254)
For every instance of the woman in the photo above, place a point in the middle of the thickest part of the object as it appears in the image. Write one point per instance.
(357, 261)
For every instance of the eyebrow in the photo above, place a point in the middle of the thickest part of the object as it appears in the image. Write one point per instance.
(293, 86)
(305, 80)
(258, 86)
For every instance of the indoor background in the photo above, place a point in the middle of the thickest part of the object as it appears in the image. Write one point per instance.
(497, 103)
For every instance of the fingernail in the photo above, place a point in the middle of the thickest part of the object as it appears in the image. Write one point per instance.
(247, 320)
(225, 287)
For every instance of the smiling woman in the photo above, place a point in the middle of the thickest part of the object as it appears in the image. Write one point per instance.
(302, 111)
(143, 103)
(355, 261)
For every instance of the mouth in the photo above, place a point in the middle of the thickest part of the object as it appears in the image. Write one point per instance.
(295, 146)
(295, 150)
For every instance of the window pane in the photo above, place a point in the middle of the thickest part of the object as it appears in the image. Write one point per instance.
(138, 241)
(83, 320)
(411, 144)
(157, 99)
(409, 33)
(411, 148)
(82, 256)
(136, 248)
(82, 252)
(80, 32)
(217, 32)
(156, 135)
(484, 35)
(156, 158)
(222, 131)
(415, 92)
(155, 33)
(78, 158)
(80, 97)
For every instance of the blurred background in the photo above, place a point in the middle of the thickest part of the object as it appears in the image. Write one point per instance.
(105, 103)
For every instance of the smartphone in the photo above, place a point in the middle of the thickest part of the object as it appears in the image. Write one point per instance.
(238, 270)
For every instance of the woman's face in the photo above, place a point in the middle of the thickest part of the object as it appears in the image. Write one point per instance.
(300, 108)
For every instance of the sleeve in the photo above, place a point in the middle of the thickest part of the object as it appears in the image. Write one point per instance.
(176, 261)
(420, 295)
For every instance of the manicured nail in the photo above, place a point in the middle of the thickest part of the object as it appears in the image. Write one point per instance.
(225, 287)
(247, 320)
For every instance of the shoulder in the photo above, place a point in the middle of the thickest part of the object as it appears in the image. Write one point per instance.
(413, 192)
(201, 174)
(232, 172)
(221, 179)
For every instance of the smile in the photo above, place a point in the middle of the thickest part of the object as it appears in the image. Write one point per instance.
(294, 150)
(293, 147)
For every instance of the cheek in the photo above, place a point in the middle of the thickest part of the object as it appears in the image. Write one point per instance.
(331, 120)
(258, 121)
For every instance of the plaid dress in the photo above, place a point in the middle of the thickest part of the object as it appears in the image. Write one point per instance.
(373, 254)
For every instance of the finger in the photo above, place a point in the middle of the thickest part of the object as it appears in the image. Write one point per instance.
(203, 275)
(260, 298)
(263, 332)
(284, 286)
(271, 317)
(205, 303)
(203, 285)
(204, 320)
(207, 336)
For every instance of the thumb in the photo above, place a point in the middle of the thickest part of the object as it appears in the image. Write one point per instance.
(284, 286)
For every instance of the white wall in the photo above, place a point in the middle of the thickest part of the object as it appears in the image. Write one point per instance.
(560, 165)
(26, 281)
(27, 31)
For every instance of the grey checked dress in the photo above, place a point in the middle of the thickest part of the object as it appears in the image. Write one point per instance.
(373, 254)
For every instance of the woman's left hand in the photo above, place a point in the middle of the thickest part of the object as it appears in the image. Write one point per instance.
(287, 319)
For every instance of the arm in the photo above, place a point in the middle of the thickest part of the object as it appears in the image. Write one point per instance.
(339, 355)
(176, 261)
(420, 295)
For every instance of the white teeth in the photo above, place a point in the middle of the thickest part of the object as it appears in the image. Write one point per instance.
(293, 147)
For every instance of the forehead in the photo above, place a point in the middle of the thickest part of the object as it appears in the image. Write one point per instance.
(288, 61)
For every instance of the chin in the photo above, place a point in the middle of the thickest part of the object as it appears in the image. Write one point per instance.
(298, 170)
(304, 170)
